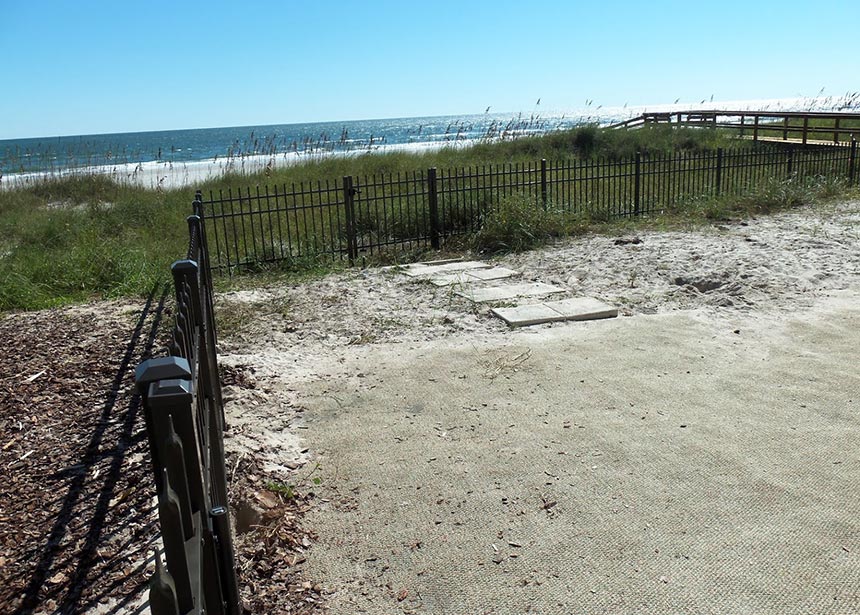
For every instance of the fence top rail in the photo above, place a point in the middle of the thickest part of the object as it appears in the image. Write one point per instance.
(766, 113)
(702, 115)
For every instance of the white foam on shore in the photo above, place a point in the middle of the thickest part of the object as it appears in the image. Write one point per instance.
(160, 175)
(171, 175)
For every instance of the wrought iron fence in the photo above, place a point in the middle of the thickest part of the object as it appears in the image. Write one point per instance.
(359, 216)
(184, 414)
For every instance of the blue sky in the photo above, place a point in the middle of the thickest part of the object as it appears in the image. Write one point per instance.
(83, 67)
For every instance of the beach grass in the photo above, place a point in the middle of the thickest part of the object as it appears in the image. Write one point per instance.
(69, 240)
(72, 239)
(584, 142)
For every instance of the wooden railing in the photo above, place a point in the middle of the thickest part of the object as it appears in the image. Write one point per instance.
(807, 127)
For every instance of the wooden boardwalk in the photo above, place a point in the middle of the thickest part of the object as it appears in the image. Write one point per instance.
(802, 127)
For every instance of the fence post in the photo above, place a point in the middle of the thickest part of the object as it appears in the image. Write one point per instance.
(543, 195)
(433, 198)
(755, 128)
(719, 177)
(636, 183)
(153, 370)
(349, 206)
(852, 159)
(805, 128)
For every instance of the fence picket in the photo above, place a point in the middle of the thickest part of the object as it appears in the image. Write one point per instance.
(174, 545)
(162, 591)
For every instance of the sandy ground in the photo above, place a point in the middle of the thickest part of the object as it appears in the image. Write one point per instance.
(692, 456)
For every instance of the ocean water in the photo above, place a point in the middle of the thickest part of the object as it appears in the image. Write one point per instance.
(180, 146)
(33, 157)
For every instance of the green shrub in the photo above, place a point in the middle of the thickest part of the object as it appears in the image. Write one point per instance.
(516, 223)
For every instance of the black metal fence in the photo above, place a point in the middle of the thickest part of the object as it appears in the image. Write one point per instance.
(184, 413)
(359, 216)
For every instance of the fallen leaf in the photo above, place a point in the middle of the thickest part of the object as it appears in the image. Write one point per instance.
(58, 578)
(401, 595)
(267, 499)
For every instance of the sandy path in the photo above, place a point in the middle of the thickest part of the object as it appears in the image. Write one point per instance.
(652, 464)
(747, 508)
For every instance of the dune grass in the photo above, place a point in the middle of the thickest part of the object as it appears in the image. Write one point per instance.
(72, 239)
(585, 142)
(68, 240)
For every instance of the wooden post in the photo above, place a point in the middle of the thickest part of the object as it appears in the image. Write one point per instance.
(543, 197)
(785, 128)
(742, 125)
(755, 128)
(349, 209)
(805, 128)
(836, 131)
(433, 199)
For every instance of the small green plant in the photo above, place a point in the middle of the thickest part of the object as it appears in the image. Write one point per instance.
(289, 490)
(284, 489)
(517, 222)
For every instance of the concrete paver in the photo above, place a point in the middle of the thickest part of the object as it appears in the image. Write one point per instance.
(422, 269)
(576, 308)
(525, 315)
(496, 273)
(474, 275)
(509, 291)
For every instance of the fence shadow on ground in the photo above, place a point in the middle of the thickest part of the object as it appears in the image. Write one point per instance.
(112, 437)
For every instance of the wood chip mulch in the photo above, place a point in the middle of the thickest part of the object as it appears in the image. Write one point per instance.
(74, 523)
(77, 517)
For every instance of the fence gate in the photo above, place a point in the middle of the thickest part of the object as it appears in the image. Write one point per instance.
(184, 414)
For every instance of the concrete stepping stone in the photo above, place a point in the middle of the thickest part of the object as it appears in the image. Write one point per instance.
(475, 275)
(424, 269)
(577, 308)
(510, 291)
